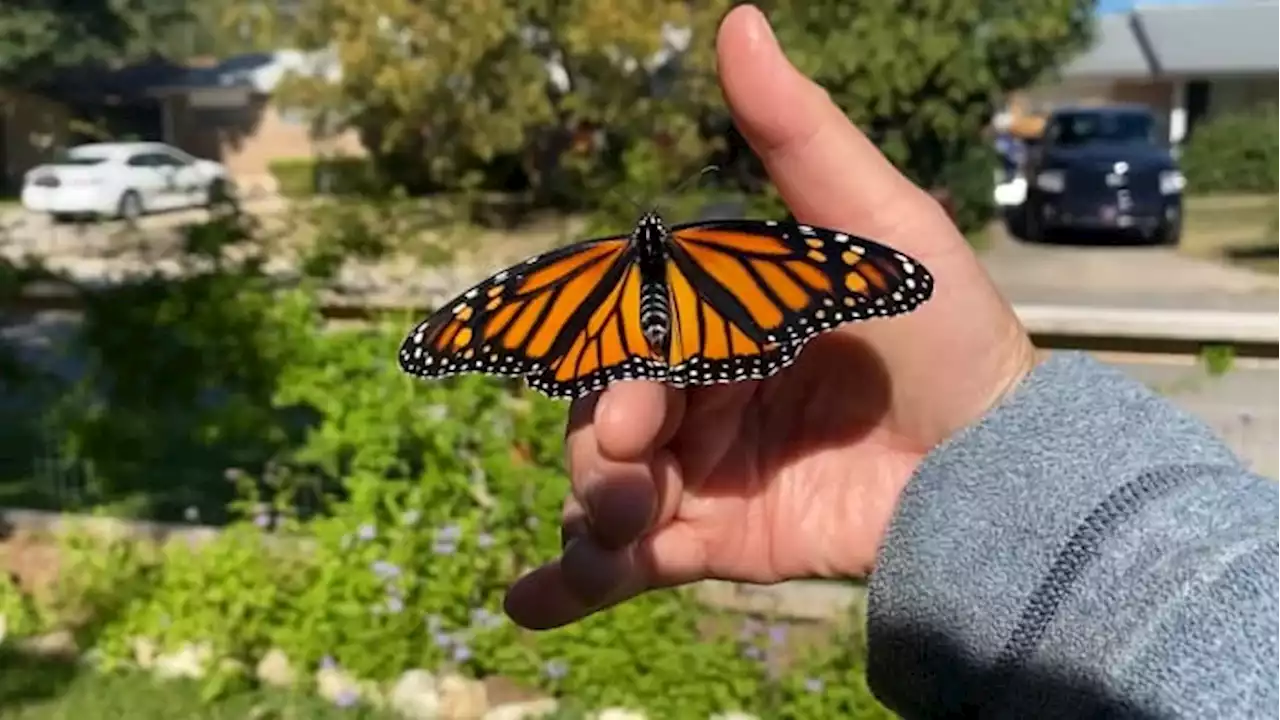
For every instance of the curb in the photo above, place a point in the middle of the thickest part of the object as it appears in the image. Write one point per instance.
(1203, 325)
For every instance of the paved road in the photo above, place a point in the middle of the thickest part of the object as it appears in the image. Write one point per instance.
(1240, 405)
(1124, 277)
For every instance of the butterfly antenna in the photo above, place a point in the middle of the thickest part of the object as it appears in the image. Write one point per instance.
(692, 179)
(617, 194)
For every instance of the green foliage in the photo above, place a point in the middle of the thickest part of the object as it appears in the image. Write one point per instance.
(43, 37)
(1236, 152)
(1218, 360)
(36, 688)
(376, 519)
(20, 614)
(305, 177)
(441, 95)
(922, 78)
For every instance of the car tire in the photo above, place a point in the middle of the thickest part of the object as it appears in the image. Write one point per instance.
(130, 207)
(1169, 234)
(220, 193)
(1032, 229)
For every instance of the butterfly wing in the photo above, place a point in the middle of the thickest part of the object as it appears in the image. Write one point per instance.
(562, 319)
(747, 295)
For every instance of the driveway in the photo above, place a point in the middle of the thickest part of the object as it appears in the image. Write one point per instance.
(1123, 277)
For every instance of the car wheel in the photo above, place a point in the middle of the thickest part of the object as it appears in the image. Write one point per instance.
(1169, 234)
(62, 218)
(219, 194)
(130, 208)
(1032, 229)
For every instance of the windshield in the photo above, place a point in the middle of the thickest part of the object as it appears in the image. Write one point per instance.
(1099, 127)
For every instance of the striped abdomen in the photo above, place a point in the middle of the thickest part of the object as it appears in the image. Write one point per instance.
(655, 315)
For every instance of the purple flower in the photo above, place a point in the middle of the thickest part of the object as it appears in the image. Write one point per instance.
(814, 685)
(328, 663)
(750, 628)
(395, 605)
(444, 547)
(482, 618)
(555, 669)
(777, 634)
(461, 653)
(443, 639)
(262, 520)
(753, 652)
(484, 541)
(367, 532)
(346, 698)
(385, 570)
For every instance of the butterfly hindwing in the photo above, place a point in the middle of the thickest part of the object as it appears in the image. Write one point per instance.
(748, 295)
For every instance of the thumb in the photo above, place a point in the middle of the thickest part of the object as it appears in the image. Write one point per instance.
(828, 172)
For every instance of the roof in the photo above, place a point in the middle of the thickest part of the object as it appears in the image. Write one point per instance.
(255, 72)
(1234, 37)
(116, 150)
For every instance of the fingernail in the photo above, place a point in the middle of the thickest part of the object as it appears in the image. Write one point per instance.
(760, 32)
(592, 573)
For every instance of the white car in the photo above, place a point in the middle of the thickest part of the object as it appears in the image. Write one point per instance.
(123, 180)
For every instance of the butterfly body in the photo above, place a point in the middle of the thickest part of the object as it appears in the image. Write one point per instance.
(694, 304)
(649, 243)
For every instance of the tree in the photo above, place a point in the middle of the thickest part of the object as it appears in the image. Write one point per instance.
(40, 37)
(439, 89)
(922, 77)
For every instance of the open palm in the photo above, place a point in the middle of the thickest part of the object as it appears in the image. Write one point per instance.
(798, 475)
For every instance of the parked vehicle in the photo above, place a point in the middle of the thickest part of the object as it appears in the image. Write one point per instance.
(123, 180)
(1103, 169)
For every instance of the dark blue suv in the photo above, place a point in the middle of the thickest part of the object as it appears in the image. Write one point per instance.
(1104, 169)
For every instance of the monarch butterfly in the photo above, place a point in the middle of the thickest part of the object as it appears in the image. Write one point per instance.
(693, 304)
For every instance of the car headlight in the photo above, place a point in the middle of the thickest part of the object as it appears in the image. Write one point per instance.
(1051, 181)
(1171, 182)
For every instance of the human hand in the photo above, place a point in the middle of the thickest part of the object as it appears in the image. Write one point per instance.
(798, 475)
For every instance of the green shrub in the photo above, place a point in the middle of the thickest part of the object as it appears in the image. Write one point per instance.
(376, 519)
(1236, 152)
(305, 177)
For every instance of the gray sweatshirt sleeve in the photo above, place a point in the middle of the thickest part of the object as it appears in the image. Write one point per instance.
(1085, 550)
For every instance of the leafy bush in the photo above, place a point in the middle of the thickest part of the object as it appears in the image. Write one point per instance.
(375, 519)
(305, 177)
(1237, 152)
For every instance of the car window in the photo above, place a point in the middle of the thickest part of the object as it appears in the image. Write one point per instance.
(71, 157)
(1097, 127)
(169, 159)
(143, 160)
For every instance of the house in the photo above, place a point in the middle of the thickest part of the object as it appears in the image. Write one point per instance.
(1188, 62)
(223, 111)
(227, 110)
(32, 127)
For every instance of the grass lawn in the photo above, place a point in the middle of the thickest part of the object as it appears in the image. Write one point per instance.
(38, 688)
(1240, 229)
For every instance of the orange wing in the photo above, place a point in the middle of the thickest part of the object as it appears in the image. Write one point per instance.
(747, 295)
(564, 319)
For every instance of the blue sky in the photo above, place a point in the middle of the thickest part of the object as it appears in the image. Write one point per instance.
(1110, 6)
